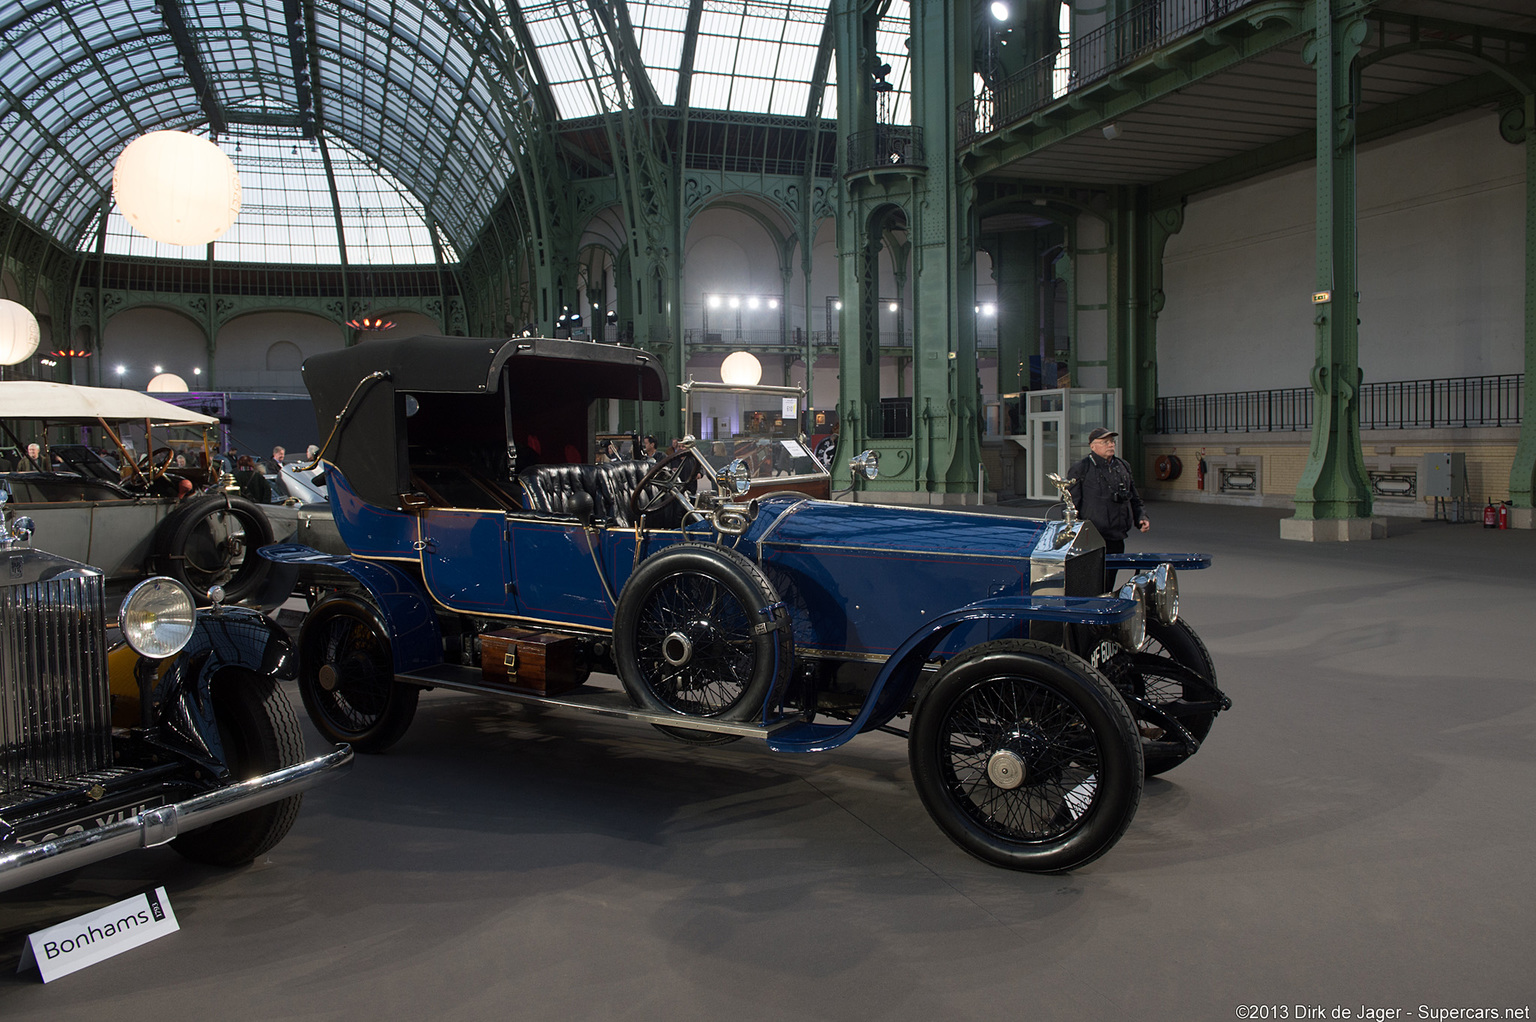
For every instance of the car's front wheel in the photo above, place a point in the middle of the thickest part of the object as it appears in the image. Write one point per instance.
(1192, 701)
(1026, 756)
(260, 733)
(347, 676)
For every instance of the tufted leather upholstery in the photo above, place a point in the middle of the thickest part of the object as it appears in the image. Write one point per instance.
(548, 489)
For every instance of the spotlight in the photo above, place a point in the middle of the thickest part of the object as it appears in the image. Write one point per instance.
(1000, 10)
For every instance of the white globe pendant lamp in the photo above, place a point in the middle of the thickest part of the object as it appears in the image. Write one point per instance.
(176, 188)
(19, 333)
(741, 369)
(167, 383)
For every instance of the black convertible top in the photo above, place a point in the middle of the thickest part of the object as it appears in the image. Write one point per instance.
(360, 408)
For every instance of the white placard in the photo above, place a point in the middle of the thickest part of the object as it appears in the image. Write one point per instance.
(795, 449)
(791, 407)
(99, 935)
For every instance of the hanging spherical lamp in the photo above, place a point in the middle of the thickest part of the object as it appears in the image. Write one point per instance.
(167, 383)
(741, 369)
(176, 188)
(19, 333)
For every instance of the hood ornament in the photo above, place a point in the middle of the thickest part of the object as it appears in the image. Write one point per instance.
(1063, 488)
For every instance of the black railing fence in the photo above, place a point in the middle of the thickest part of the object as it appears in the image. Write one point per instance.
(1404, 404)
(889, 145)
(1090, 57)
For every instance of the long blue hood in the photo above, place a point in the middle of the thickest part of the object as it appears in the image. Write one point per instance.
(860, 578)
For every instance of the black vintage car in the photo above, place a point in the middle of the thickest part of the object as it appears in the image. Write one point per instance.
(489, 553)
(176, 732)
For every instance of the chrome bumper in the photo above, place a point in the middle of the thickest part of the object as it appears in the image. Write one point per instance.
(157, 826)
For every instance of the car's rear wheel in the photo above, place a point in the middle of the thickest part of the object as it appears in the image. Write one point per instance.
(1026, 757)
(347, 676)
(213, 541)
(699, 631)
(260, 733)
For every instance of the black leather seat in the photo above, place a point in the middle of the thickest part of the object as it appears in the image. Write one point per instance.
(548, 489)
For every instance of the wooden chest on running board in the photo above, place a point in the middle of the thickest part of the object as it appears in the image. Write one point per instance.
(541, 662)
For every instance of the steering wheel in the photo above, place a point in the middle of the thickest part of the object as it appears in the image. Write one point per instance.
(672, 475)
(154, 464)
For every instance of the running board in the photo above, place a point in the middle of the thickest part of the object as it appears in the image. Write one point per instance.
(601, 702)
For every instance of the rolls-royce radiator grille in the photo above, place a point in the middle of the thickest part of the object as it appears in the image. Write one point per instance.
(55, 709)
(1085, 573)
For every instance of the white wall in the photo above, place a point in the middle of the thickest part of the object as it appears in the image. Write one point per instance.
(140, 339)
(1441, 215)
(263, 351)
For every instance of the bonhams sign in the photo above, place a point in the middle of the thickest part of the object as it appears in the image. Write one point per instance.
(97, 936)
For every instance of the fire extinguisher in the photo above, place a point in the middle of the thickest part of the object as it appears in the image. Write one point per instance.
(1504, 514)
(1200, 471)
(1490, 516)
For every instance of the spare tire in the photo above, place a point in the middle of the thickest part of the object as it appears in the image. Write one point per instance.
(211, 541)
(1167, 467)
(700, 632)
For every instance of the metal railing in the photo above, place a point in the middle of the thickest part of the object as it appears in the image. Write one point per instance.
(1458, 403)
(889, 145)
(1087, 59)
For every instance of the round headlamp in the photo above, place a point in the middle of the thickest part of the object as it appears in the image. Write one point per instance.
(866, 464)
(157, 617)
(1133, 630)
(1165, 594)
(735, 478)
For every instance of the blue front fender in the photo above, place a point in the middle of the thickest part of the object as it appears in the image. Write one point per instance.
(893, 686)
(222, 638)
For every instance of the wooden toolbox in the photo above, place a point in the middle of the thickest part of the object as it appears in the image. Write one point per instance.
(541, 662)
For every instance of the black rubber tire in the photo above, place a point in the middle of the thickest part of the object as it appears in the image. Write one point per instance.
(1069, 733)
(1179, 643)
(261, 734)
(347, 676)
(723, 622)
(213, 540)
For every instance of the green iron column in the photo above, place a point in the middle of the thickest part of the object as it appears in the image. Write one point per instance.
(1522, 475)
(1016, 269)
(1333, 498)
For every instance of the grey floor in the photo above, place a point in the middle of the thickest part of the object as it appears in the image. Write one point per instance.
(1357, 833)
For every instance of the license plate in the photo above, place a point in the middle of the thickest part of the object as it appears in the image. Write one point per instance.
(89, 819)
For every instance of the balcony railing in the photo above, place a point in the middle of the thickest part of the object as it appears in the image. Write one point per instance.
(1089, 57)
(889, 145)
(1459, 403)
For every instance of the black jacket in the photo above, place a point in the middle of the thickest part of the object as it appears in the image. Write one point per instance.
(1105, 494)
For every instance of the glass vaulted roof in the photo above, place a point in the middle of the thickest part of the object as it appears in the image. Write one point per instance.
(434, 95)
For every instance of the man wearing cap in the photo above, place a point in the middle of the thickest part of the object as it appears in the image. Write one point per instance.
(1105, 494)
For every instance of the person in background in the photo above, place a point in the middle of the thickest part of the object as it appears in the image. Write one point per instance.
(1105, 494)
(648, 447)
(253, 484)
(279, 455)
(33, 462)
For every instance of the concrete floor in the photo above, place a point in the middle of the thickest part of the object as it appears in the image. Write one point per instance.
(1357, 833)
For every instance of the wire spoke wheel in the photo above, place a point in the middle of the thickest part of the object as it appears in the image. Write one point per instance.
(700, 632)
(347, 678)
(693, 642)
(1174, 673)
(1030, 728)
(1026, 756)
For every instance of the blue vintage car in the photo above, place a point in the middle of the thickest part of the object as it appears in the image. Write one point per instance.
(494, 550)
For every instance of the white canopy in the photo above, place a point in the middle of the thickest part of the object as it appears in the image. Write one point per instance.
(56, 402)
